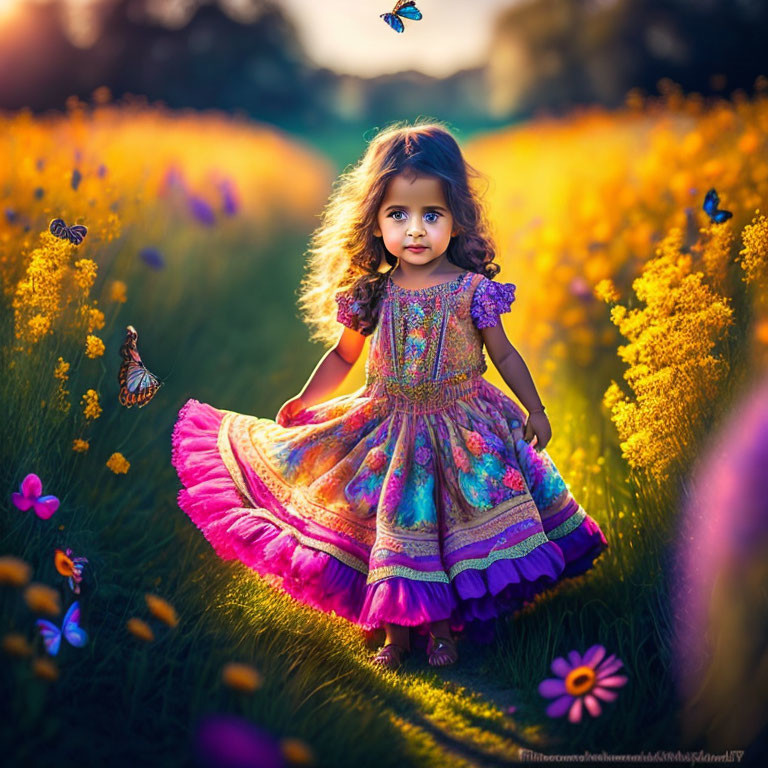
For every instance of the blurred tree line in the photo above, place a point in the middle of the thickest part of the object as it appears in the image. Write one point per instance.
(544, 54)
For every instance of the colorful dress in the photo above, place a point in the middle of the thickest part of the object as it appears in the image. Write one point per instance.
(411, 500)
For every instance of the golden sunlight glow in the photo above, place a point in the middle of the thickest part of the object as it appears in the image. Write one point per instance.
(7, 7)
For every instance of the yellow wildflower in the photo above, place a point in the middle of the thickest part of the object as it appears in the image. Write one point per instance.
(85, 273)
(162, 610)
(80, 446)
(241, 677)
(118, 463)
(90, 400)
(672, 372)
(118, 290)
(16, 644)
(754, 254)
(38, 326)
(94, 318)
(139, 628)
(45, 669)
(62, 370)
(14, 571)
(42, 599)
(297, 752)
(606, 291)
(37, 300)
(94, 346)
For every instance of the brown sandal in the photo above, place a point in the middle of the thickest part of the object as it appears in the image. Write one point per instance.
(391, 656)
(441, 645)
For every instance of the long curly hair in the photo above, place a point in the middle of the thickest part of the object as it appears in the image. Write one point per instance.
(345, 255)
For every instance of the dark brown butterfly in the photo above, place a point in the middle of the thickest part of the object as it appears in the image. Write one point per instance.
(137, 384)
(74, 234)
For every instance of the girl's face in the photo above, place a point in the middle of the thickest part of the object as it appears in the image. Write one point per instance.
(414, 213)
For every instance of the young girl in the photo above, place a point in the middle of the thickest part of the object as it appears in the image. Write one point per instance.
(420, 501)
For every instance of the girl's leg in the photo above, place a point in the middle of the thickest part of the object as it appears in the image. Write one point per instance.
(446, 653)
(397, 642)
(398, 634)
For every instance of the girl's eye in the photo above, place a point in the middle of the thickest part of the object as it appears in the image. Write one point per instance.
(395, 212)
(432, 213)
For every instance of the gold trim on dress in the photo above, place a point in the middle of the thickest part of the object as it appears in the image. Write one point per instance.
(568, 525)
(520, 549)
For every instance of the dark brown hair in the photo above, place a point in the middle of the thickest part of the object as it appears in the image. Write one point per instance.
(345, 255)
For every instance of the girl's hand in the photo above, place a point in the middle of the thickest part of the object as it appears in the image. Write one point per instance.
(538, 424)
(289, 410)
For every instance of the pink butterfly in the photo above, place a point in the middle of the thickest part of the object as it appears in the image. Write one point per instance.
(69, 628)
(31, 488)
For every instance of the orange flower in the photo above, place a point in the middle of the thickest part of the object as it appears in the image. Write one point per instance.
(297, 752)
(42, 599)
(45, 669)
(118, 463)
(64, 564)
(242, 677)
(117, 292)
(162, 610)
(140, 629)
(16, 644)
(14, 571)
(80, 446)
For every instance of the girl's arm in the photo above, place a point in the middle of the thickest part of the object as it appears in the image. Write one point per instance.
(333, 367)
(515, 373)
(511, 366)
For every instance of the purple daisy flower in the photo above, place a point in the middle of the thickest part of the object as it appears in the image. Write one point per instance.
(580, 682)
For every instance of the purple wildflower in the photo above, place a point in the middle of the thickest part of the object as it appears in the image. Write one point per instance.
(228, 741)
(229, 198)
(77, 177)
(201, 210)
(580, 682)
(152, 258)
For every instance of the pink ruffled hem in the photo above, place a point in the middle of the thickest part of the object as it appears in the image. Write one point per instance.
(317, 579)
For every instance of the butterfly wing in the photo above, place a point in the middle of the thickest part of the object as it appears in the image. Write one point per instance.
(75, 634)
(711, 200)
(51, 636)
(45, 506)
(76, 233)
(58, 228)
(21, 501)
(393, 21)
(137, 384)
(408, 10)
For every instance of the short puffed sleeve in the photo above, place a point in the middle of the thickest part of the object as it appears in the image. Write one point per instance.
(489, 301)
(347, 313)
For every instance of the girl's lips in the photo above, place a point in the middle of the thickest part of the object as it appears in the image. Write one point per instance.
(417, 248)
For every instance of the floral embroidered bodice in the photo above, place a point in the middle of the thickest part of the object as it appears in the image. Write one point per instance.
(427, 346)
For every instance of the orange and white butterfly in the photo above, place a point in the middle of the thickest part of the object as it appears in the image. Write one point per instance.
(137, 385)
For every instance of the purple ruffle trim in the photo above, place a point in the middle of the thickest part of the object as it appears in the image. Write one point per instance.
(317, 579)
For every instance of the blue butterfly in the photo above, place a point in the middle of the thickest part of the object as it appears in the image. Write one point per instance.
(711, 201)
(74, 234)
(405, 8)
(69, 628)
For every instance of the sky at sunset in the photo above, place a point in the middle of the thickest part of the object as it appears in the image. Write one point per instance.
(349, 36)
